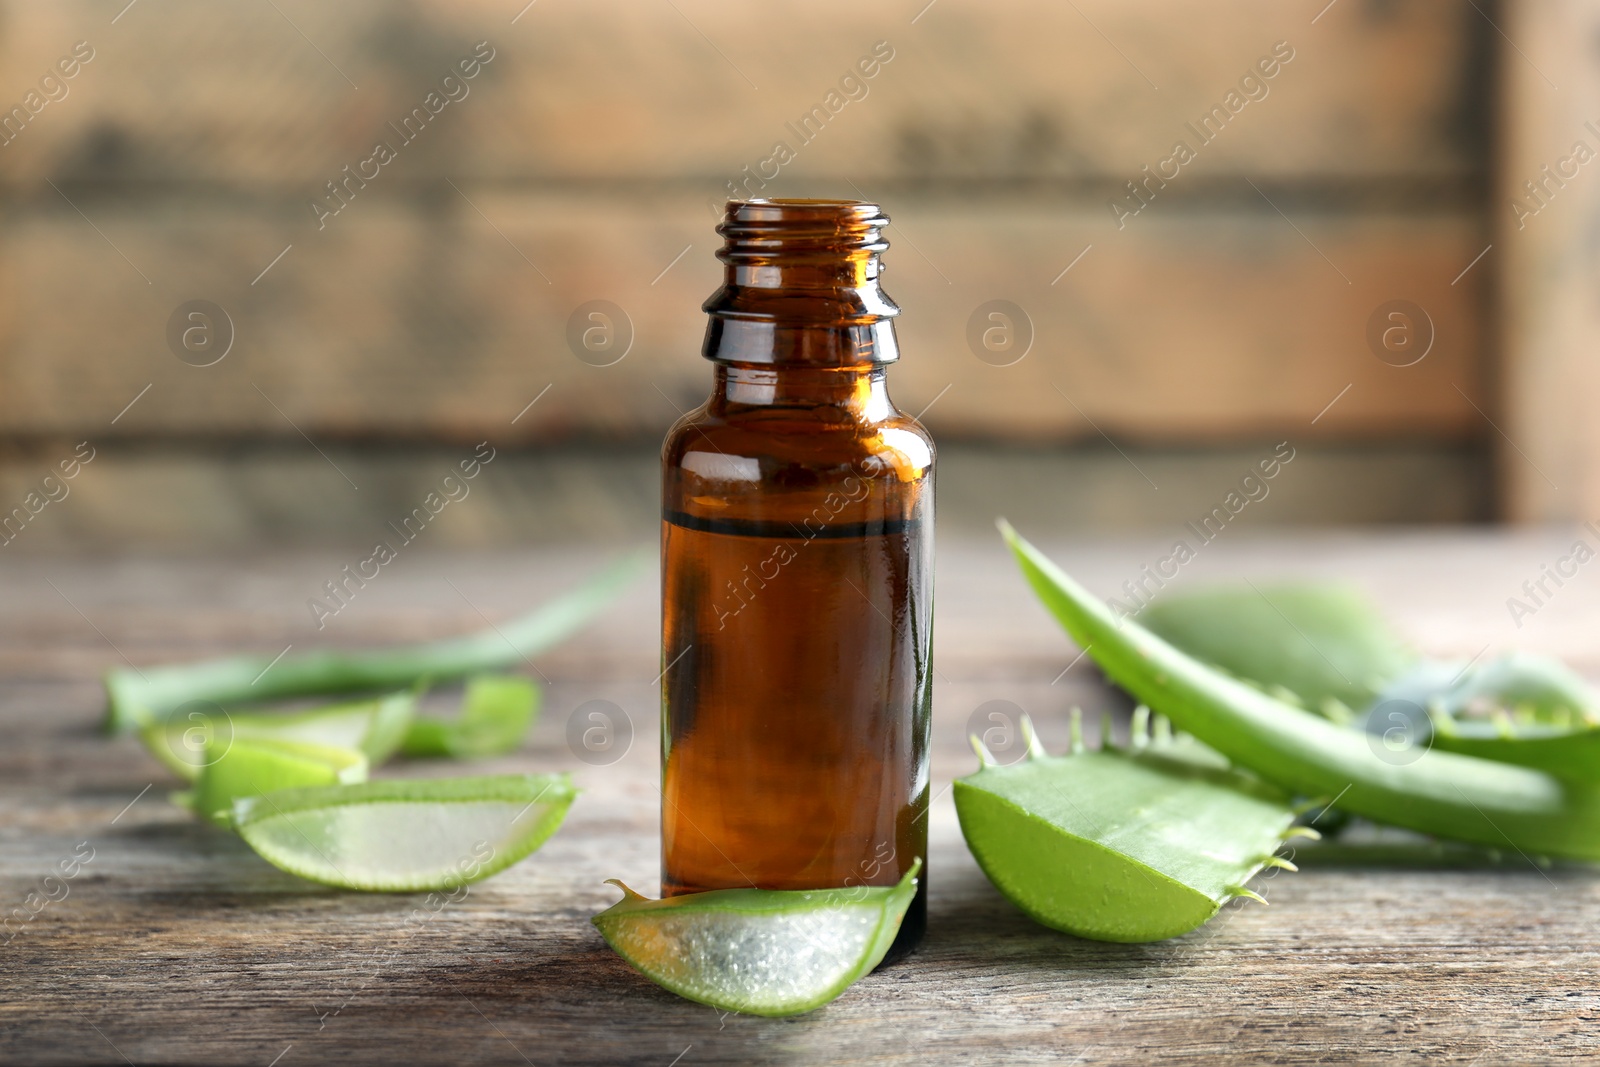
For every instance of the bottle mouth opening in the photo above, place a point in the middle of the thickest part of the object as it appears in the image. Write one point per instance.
(787, 226)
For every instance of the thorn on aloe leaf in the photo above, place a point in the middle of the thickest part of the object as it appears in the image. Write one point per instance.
(1280, 862)
(1031, 736)
(1108, 738)
(1076, 736)
(1139, 727)
(1161, 730)
(627, 894)
(1248, 894)
(1301, 831)
(1285, 694)
(985, 758)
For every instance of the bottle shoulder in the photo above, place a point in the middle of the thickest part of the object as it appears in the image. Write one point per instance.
(797, 437)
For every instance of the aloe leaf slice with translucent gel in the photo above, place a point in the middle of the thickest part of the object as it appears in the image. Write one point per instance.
(1135, 844)
(760, 951)
(405, 835)
(247, 768)
(373, 727)
(496, 712)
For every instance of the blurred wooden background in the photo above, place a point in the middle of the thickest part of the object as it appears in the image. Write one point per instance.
(586, 163)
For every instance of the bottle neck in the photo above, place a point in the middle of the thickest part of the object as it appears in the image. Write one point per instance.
(800, 288)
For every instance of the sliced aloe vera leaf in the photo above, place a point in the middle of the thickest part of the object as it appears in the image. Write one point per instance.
(248, 768)
(135, 698)
(760, 951)
(496, 712)
(1435, 792)
(405, 835)
(374, 727)
(1320, 641)
(1135, 844)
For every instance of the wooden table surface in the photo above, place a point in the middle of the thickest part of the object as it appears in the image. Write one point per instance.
(176, 944)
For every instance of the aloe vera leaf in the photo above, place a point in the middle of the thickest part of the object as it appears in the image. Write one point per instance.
(1442, 793)
(772, 952)
(1135, 844)
(1319, 641)
(1535, 687)
(1324, 642)
(375, 727)
(1518, 708)
(137, 698)
(496, 712)
(1568, 753)
(249, 768)
(405, 835)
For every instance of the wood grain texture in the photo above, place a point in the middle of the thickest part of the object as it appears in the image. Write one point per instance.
(266, 97)
(442, 318)
(596, 146)
(181, 497)
(176, 945)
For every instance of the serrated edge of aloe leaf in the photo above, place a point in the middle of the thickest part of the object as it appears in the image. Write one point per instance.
(1148, 745)
(896, 898)
(962, 793)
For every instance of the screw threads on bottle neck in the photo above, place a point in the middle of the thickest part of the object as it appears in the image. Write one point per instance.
(801, 285)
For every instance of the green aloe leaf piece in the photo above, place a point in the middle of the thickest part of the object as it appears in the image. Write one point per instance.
(1135, 844)
(405, 835)
(374, 727)
(1528, 689)
(496, 712)
(135, 699)
(248, 768)
(1435, 792)
(1319, 641)
(1326, 648)
(759, 951)
(1517, 708)
(1571, 754)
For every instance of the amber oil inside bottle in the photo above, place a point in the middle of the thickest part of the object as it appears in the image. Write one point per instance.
(797, 576)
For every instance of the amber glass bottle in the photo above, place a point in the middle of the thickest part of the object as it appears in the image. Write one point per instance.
(797, 575)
